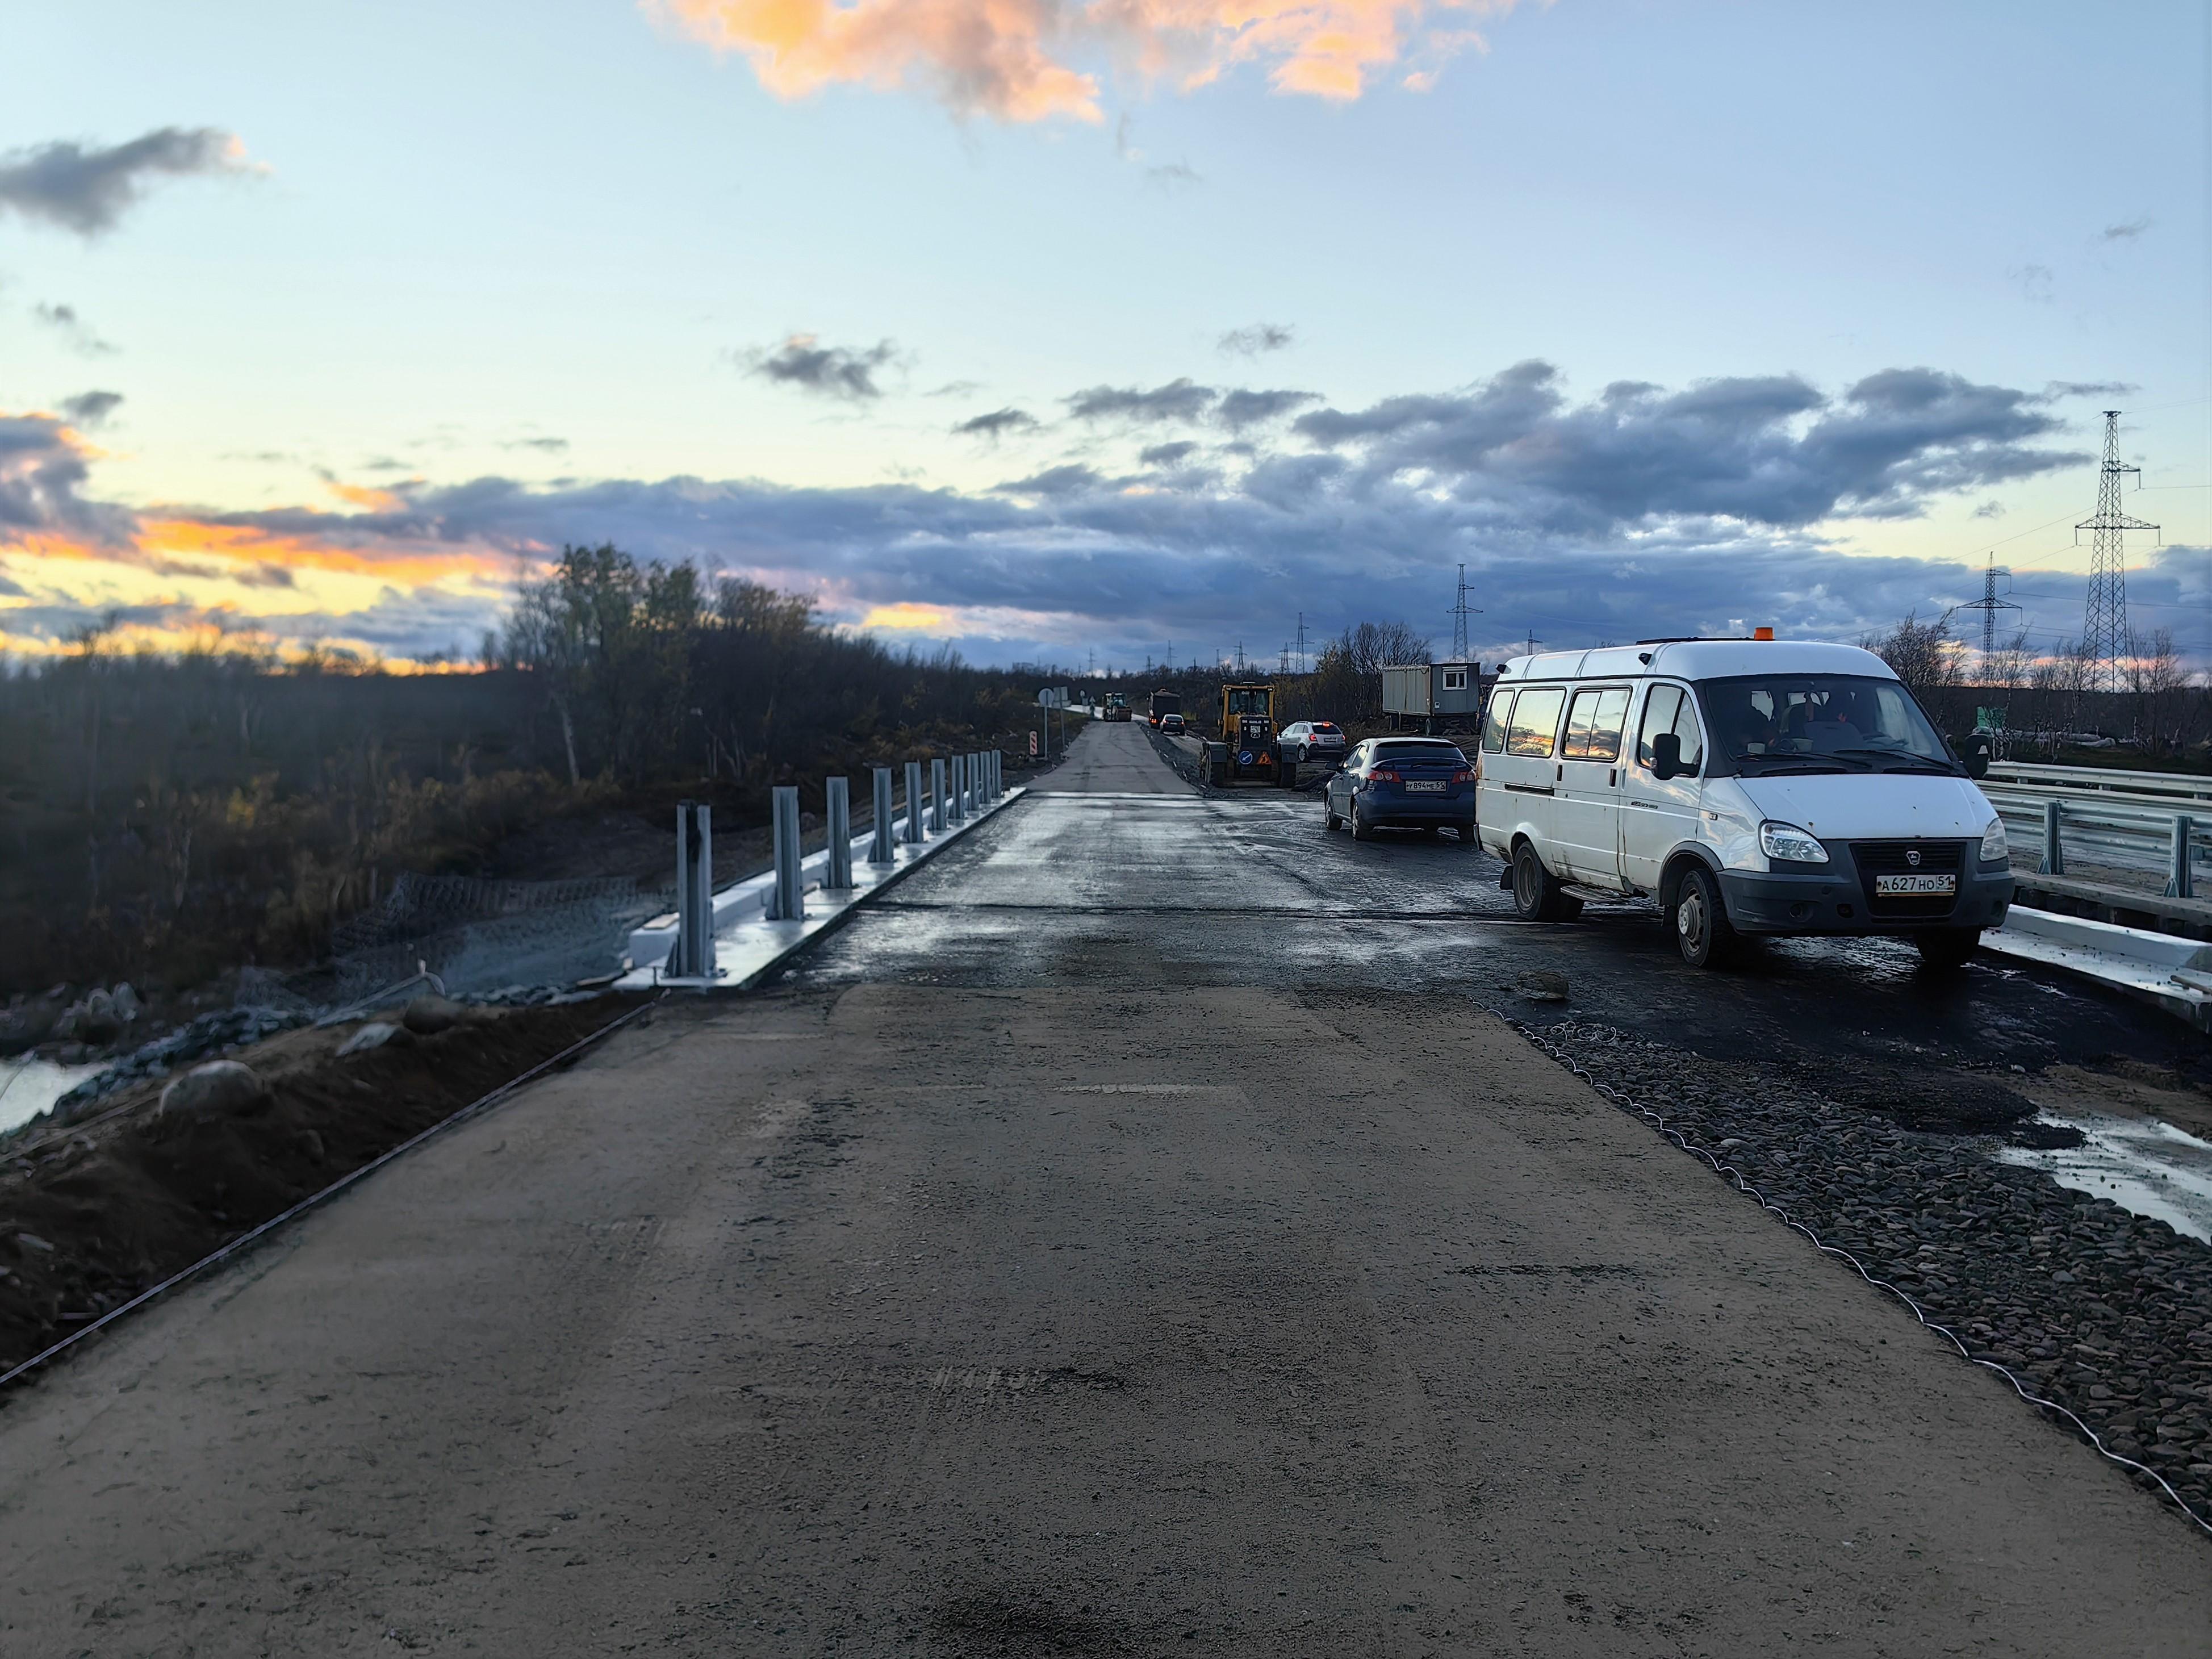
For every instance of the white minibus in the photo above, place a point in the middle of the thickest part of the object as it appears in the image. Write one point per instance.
(1750, 785)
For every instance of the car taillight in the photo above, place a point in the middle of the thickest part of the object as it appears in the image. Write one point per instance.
(1384, 775)
(1462, 776)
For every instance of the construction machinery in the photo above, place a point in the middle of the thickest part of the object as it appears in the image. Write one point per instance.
(1117, 705)
(1165, 702)
(1246, 751)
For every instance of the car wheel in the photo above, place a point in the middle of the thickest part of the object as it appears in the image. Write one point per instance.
(1536, 895)
(1467, 841)
(1329, 819)
(1361, 830)
(1429, 831)
(1702, 931)
(1947, 949)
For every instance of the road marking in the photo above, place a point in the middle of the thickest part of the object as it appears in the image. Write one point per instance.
(1130, 1089)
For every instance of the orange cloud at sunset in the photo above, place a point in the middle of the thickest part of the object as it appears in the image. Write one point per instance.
(1009, 58)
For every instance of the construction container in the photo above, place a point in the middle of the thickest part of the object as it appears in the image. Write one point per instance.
(1433, 696)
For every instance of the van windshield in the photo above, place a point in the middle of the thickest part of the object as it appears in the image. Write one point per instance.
(1769, 723)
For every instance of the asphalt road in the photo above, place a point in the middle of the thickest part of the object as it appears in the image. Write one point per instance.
(1130, 1240)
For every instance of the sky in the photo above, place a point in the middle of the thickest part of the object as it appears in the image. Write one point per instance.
(1111, 330)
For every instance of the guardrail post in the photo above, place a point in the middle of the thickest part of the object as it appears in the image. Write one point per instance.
(990, 774)
(789, 898)
(2176, 876)
(879, 849)
(693, 955)
(936, 797)
(913, 803)
(837, 805)
(2054, 854)
(970, 767)
(956, 802)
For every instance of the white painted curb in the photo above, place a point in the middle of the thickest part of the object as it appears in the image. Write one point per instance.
(2175, 973)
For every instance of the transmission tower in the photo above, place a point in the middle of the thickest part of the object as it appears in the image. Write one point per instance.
(1459, 612)
(2106, 641)
(1302, 642)
(1989, 604)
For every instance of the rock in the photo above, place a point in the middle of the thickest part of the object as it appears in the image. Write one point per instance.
(221, 1085)
(427, 1016)
(311, 1144)
(375, 1035)
(33, 1241)
(126, 1002)
(1543, 985)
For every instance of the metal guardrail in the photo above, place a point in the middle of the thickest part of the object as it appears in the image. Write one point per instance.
(2154, 822)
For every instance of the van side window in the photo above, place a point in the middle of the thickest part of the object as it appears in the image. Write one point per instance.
(1536, 721)
(1594, 724)
(1669, 708)
(1493, 726)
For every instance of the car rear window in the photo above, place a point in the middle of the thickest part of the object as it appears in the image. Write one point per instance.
(1411, 750)
(1323, 726)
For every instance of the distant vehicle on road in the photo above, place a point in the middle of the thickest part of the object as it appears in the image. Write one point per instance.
(1117, 705)
(1170, 724)
(1403, 783)
(1246, 751)
(1311, 740)
(1751, 786)
(1165, 702)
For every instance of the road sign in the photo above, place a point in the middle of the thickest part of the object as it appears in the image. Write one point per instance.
(1033, 745)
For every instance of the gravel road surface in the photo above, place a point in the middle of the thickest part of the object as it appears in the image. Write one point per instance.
(1128, 1238)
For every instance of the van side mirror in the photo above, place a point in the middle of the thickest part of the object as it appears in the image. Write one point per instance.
(1978, 755)
(1667, 755)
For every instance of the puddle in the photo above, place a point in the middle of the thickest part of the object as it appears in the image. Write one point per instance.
(27, 1087)
(2141, 1164)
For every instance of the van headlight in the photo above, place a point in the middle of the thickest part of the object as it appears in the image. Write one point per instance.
(1995, 849)
(1787, 841)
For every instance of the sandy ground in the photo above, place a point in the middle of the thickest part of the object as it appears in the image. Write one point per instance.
(962, 1320)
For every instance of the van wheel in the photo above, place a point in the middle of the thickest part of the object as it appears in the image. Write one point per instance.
(1536, 895)
(1947, 949)
(1702, 931)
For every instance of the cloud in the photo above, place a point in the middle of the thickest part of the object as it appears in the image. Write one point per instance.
(1172, 176)
(91, 408)
(2088, 389)
(88, 189)
(2126, 231)
(1634, 511)
(66, 321)
(43, 470)
(1178, 400)
(1990, 510)
(1258, 338)
(1239, 410)
(1035, 60)
(2035, 282)
(547, 445)
(996, 424)
(832, 371)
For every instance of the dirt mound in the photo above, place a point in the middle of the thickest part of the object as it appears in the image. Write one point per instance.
(92, 1217)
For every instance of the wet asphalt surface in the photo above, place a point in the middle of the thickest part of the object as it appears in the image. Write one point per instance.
(1247, 889)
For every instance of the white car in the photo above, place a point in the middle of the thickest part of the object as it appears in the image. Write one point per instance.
(1312, 740)
(1751, 786)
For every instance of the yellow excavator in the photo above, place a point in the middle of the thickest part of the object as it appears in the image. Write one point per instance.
(1246, 751)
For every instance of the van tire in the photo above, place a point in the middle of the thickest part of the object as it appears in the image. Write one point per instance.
(1699, 920)
(1536, 895)
(1947, 950)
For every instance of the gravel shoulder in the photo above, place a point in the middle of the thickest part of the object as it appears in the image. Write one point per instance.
(964, 1322)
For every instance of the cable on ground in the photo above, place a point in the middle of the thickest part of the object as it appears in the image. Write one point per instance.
(1735, 1176)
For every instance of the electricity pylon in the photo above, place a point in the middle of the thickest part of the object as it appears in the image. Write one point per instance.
(1989, 604)
(1459, 619)
(2106, 641)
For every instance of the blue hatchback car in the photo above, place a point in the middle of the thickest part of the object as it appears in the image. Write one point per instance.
(1403, 783)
